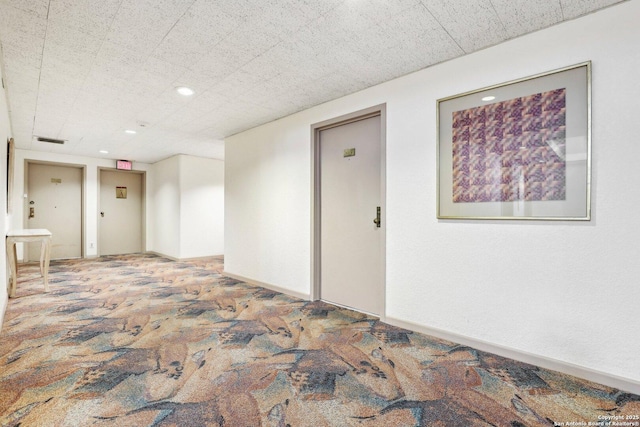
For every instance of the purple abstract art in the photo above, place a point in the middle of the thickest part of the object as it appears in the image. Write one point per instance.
(511, 150)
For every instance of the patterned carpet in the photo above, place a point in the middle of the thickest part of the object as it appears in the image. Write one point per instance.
(140, 340)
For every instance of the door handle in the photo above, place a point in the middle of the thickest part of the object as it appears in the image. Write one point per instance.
(376, 220)
(102, 214)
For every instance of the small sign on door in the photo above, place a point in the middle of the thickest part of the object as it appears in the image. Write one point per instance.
(121, 192)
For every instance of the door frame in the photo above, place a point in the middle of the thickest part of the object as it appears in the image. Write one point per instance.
(376, 110)
(83, 197)
(143, 212)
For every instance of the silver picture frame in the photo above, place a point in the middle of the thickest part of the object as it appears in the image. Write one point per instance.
(519, 150)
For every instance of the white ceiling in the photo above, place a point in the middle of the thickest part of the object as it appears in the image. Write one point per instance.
(87, 70)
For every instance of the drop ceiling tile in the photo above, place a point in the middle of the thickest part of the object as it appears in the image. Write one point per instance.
(105, 84)
(16, 22)
(118, 61)
(163, 69)
(202, 27)
(18, 57)
(265, 66)
(196, 81)
(349, 16)
(22, 124)
(17, 73)
(574, 8)
(22, 103)
(72, 39)
(314, 7)
(473, 24)
(39, 8)
(417, 32)
(245, 9)
(178, 49)
(91, 105)
(47, 128)
(55, 63)
(147, 86)
(412, 22)
(283, 20)
(72, 131)
(376, 38)
(238, 83)
(523, 16)
(57, 100)
(164, 107)
(321, 36)
(196, 126)
(208, 101)
(140, 25)
(22, 139)
(210, 68)
(242, 46)
(382, 10)
(22, 35)
(90, 17)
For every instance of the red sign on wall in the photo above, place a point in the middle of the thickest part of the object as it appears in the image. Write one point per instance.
(124, 165)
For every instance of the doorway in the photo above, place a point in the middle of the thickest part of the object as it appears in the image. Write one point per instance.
(121, 212)
(349, 211)
(54, 202)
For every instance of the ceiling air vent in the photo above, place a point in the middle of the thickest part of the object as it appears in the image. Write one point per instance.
(50, 140)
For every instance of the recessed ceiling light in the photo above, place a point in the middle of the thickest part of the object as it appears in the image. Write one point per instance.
(489, 98)
(130, 131)
(104, 151)
(183, 90)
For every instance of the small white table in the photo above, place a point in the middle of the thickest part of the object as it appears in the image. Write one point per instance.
(28, 235)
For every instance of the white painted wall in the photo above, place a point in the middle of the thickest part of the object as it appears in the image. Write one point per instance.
(567, 291)
(201, 207)
(188, 207)
(164, 192)
(90, 192)
(5, 133)
(267, 204)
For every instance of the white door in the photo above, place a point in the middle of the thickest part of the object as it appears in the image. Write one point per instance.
(120, 212)
(350, 194)
(54, 202)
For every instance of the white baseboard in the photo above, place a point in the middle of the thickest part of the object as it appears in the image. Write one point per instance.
(621, 383)
(181, 259)
(162, 255)
(196, 258)
(285, 291)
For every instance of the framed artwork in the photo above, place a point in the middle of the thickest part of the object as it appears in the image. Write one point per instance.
(518, 150)
(11, 154)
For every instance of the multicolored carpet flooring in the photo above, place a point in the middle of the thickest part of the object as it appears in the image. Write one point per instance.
(140, 340)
